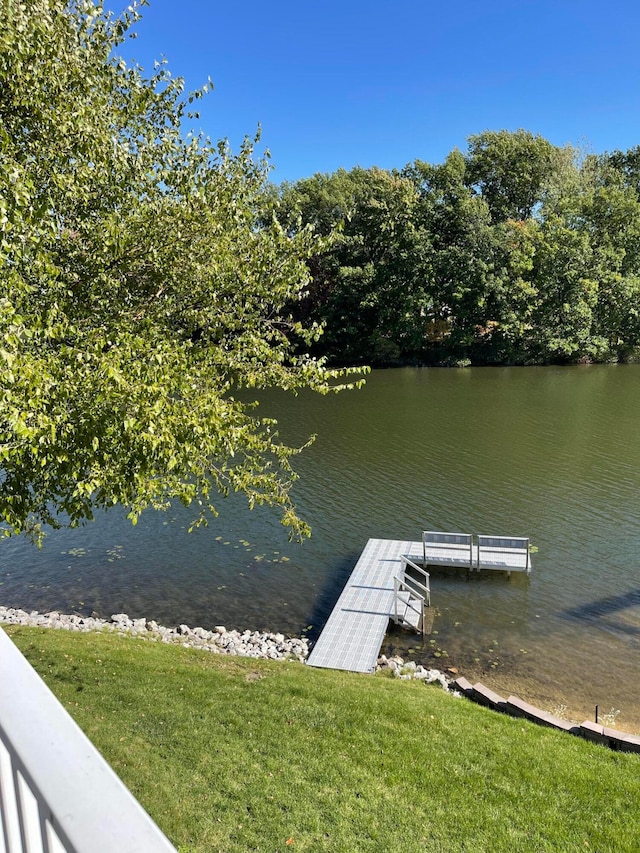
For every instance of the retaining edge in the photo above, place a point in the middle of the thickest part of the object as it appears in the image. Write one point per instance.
(516, 707)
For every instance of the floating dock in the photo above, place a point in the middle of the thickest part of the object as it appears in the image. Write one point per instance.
(380, 586)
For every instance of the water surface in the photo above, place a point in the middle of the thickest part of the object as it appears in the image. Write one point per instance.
(549, 453)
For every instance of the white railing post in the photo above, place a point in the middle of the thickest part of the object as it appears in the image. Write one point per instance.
(57, 793)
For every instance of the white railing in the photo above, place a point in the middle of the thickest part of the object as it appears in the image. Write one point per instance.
(411, 594)
(508, 552)
(408, 606)
(447, 548)
(421, 583)
(57, 793)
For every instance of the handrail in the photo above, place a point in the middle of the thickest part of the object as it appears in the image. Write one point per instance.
(417, 592)
(407, 603)
(57, 793)
(505, 545)
(426, 587)
(462, 549)
(445, 542)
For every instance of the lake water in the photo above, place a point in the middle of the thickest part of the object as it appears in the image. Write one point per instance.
(549, 453)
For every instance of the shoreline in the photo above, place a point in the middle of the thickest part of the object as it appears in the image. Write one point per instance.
(269, 646)
(251, 644)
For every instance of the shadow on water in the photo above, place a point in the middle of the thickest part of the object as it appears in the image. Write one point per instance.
(329, 594)
(599, 612)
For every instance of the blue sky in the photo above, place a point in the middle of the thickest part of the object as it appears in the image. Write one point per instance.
(339, 84)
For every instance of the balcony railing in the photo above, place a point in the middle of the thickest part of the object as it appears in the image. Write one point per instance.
(57, 793)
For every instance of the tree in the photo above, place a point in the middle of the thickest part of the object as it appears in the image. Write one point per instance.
(627, 165)
(363, 286)
(457, 226)
(510, 170)
(142, 287)
(588, 265)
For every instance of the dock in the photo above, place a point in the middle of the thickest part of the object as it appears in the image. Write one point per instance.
(353, 634)
(390, 581)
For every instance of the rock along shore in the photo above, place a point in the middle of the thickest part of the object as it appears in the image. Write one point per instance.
(251, 644)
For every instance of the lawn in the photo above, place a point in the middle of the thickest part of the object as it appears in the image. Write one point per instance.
(232, 754)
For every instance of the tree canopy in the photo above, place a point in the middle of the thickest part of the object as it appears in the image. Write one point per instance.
(358, 290)
(513, 252)
(145, 283)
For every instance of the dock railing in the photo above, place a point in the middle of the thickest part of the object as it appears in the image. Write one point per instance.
(411, 595)
(440, 548)
(463, 550)
(509, 552)
(57, 793)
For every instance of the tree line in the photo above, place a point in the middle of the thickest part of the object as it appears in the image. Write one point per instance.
(513, 252)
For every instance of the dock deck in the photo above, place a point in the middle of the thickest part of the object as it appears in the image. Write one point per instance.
(353, 634)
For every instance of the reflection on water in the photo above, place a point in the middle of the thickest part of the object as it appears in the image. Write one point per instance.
(549, 453)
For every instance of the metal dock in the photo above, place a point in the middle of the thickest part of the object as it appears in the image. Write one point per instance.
(390, 581)
(354, 632)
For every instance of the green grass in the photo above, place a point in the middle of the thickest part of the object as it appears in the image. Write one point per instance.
(230, 754)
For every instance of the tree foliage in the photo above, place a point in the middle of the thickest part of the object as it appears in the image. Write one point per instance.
(510, 171)
(359, 289)
(144, 286)
(514, 251)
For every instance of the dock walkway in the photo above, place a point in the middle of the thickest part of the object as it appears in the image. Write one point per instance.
(354, 632)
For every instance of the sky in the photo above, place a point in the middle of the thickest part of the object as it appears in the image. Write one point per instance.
(341, 84)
